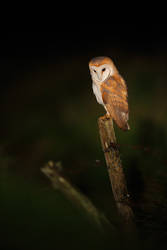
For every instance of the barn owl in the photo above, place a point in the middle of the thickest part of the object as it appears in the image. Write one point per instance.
(110, 90)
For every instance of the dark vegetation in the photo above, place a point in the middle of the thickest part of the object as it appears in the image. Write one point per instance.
(48, 112)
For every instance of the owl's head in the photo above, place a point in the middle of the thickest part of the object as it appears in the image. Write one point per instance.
(101, 68)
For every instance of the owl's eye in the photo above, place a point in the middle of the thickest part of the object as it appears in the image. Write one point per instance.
(103, 69)
(94, 70)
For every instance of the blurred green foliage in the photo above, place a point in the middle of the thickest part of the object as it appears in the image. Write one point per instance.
(50, 113)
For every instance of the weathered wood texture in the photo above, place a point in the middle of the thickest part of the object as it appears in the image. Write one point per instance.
(115, 169)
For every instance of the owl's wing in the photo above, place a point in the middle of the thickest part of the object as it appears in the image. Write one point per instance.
(114, 95)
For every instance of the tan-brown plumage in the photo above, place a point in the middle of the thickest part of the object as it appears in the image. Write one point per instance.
(114, 95)
(113, 91)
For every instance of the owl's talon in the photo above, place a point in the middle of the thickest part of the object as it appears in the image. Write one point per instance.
(105, 117)
(102, 117)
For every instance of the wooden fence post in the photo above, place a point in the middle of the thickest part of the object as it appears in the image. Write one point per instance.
(115, 169)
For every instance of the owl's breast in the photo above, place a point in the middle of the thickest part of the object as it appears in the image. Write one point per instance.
(97, 92)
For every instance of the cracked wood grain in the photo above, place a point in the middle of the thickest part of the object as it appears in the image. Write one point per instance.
(115, 169)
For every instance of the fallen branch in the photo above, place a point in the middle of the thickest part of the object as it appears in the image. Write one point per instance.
(54, 172)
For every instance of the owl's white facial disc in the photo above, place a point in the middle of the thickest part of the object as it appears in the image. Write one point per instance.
(101, 73)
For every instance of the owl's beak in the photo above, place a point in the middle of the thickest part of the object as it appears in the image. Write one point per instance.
(99, 76)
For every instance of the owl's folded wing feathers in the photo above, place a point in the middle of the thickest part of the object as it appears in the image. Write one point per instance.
(114, 95)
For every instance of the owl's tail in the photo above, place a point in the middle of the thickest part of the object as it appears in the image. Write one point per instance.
(121, 119)
(126, 127)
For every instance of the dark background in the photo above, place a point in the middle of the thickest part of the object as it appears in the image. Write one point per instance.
(48, 112)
